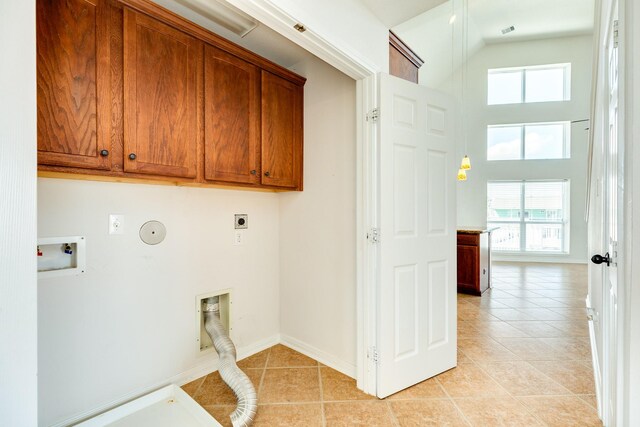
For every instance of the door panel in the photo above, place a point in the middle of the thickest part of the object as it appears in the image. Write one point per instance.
(437, 218)
(406, 312)
(232, 118)
(417, 289)
(281, 132)
(439, 304)
(73, 83)
(162, 103)
(613, 210)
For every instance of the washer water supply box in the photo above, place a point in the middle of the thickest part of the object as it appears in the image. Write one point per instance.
(61, 256)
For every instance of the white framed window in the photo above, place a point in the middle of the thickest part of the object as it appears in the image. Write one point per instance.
(541, 83)
(529, 141)
(532, 216)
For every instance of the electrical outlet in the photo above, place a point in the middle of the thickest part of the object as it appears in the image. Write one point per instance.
(116, 224)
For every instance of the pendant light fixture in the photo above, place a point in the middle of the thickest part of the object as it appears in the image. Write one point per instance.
(465, 165)
(462, 175)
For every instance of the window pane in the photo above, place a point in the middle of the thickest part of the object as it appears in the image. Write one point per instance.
(504, 143)
(545, 237)
(543, 201)
(545, 141)
(503, 201)
(505, 87)
(506, 238)
(545, 85)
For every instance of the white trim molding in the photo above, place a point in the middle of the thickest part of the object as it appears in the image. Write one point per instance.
(323, 357)
(338, 55)
(354, 65)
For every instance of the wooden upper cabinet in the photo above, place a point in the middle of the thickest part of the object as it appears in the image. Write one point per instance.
(232, 118)
(281, 132)
(73, 83)
(162, 102)
(403, 61)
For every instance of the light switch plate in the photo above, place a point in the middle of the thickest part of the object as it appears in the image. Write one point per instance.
(116, 224)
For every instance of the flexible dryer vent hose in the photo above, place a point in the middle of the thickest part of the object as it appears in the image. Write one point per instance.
(237, 380)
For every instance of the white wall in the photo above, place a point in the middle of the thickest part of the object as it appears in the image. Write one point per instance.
(317, 226)
(472, 194)
(18, 315)
(439, 43)
(128, 324)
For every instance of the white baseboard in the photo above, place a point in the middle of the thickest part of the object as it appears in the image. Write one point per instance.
(321, 356)
(595, 361)
(203, 368)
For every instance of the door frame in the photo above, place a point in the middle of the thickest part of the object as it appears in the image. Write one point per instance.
(628, 346)
(364, 73)
(351, 63)
(612, 379)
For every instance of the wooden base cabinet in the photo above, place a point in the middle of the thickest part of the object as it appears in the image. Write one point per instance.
(129, 90)
(474, 265)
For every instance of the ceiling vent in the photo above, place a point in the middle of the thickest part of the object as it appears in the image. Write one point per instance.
(508, 30)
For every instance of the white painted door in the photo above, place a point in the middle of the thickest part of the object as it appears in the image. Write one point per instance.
(417, 286)
(612, 199)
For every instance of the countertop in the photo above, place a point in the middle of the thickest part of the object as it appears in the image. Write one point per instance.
(476, 230)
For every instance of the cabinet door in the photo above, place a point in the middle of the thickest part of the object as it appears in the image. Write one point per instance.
(232, 118)
(162, 69)
(73, 83)
(468, 268)
(281, 132)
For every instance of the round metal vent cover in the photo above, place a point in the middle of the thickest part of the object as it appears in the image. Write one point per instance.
(153, 232)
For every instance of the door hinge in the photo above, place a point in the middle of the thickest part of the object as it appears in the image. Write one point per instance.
(373, 355)
(373, 115)
(615, 33)
(373, 236)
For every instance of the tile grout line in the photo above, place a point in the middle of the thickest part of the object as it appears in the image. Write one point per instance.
(322, 414)
(392, 415)
(516, 397)
(453, 402)
(504, 388)
(195, 392)
(264, 373)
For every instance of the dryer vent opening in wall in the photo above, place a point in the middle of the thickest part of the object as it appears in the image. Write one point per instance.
(224, 300)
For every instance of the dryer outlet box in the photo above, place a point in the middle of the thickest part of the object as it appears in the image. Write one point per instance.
(241, 221)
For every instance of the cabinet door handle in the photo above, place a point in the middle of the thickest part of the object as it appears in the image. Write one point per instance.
(253, 172)
(132, 156)
(267, 173)
(104, 153)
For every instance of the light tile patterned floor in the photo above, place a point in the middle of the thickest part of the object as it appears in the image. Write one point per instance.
(523, 360)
